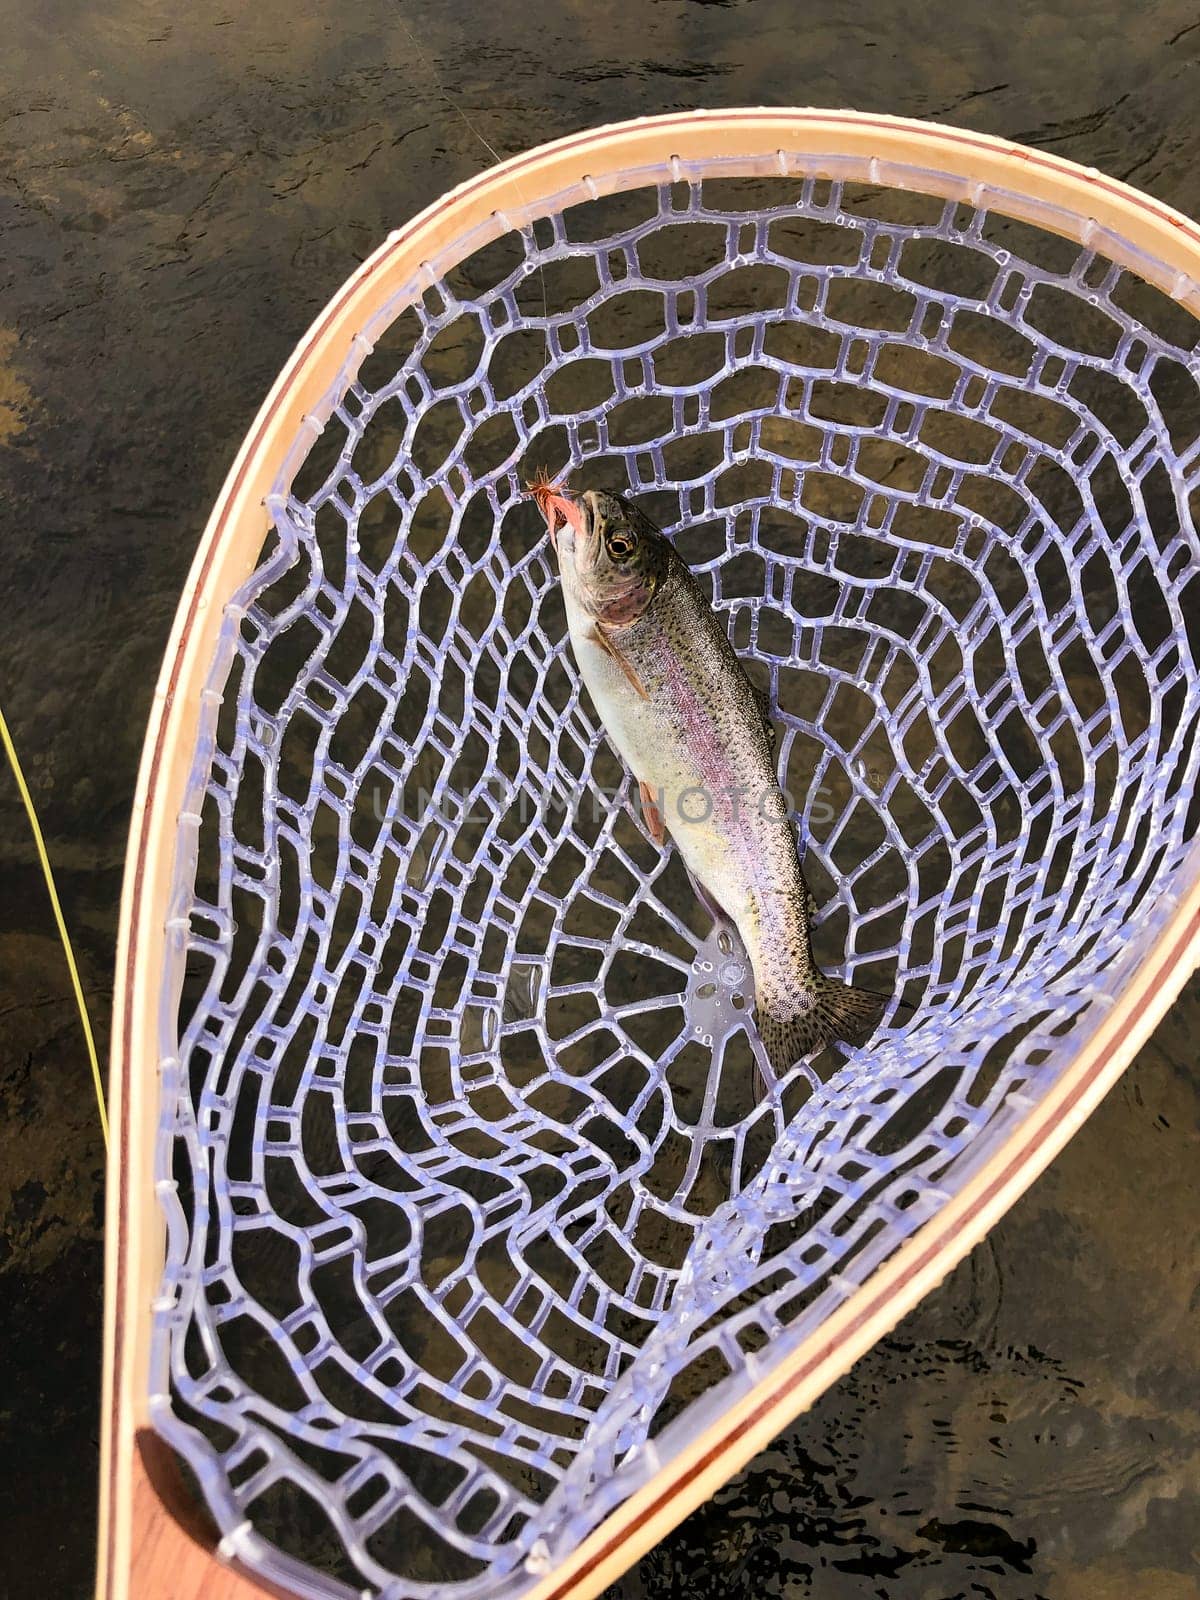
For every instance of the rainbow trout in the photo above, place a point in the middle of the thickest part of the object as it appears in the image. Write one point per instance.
(693, 730)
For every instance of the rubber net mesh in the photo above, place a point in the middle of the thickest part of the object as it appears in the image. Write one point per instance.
(473, 1214)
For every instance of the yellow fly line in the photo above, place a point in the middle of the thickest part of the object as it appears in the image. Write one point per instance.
(44, 858)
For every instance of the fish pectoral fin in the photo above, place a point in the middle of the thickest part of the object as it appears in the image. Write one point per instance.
(653, 816)
(605, 640)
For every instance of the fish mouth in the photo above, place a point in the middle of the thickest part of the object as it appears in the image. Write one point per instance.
(583, 531)
(563, 511)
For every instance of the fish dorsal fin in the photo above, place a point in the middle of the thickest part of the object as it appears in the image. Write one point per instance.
(764, 706)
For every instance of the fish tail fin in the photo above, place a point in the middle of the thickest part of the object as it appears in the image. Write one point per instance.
(833, 1010)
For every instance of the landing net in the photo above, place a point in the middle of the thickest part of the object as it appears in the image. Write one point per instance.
(474, 1218)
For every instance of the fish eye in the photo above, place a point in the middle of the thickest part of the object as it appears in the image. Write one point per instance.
(619, 545)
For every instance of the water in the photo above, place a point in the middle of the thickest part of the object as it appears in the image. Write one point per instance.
(1029, 1431)
(179, 195)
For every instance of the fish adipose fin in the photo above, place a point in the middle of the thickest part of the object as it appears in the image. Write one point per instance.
(604, 640)
(652, 815)
(834, 1011)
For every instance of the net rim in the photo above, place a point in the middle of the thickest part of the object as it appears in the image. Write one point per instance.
(1143, 234)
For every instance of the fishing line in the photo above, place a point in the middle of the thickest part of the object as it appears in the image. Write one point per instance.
(497, 158)
(44, 858)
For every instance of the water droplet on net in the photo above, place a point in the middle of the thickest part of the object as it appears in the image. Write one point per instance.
(479, 1029)
(424, 863)
(522, 991)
